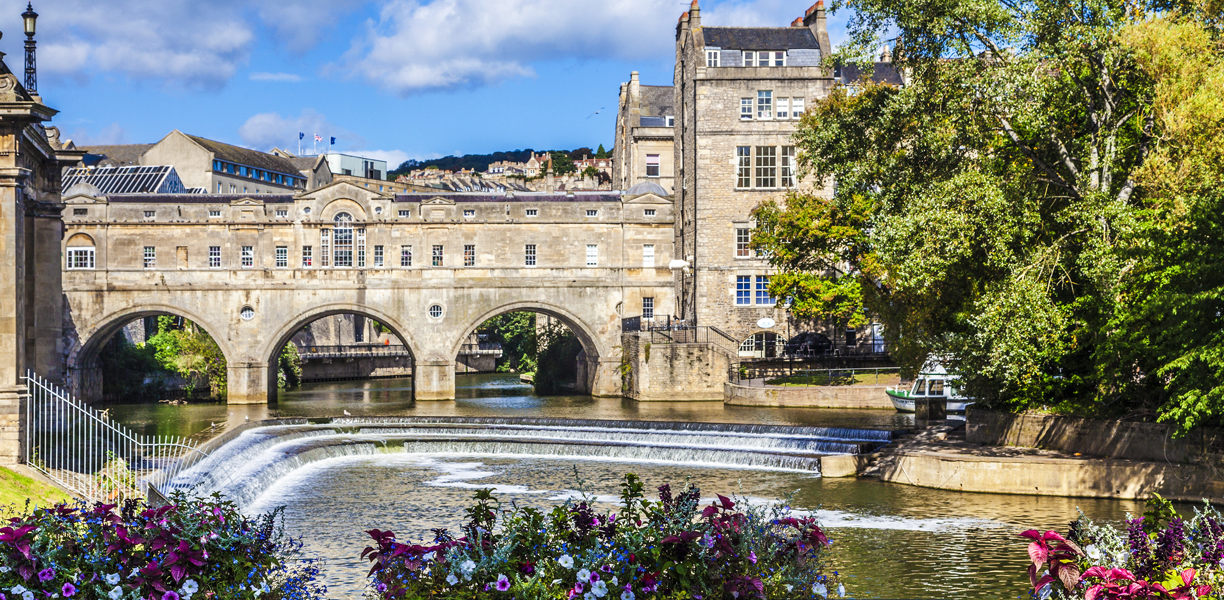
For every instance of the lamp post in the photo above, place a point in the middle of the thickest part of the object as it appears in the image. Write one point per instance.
(31, 72)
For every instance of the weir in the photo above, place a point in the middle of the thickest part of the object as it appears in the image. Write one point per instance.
(244, 465)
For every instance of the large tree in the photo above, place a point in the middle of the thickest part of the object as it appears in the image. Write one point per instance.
(993, 210)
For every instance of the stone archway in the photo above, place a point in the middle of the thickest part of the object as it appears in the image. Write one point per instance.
(271, 351)
(84, 372)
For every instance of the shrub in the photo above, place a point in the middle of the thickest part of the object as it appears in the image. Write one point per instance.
(1158, 555)
(670, 548)
(192, 547)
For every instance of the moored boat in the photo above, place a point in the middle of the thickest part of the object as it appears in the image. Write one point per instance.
(933, 381)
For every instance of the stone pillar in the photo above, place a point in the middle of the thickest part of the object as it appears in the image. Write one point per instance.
(604, 377)
(47, 356)
(433, 380)
(250, 383)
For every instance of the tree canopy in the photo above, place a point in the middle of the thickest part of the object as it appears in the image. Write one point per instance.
(1034, 205)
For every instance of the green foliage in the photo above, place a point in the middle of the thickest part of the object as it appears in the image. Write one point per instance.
(181, 347)
(601, 153)
(1038, 203)
(556, 359)
(516, 332)
(591, 173)
(127, 366)
(562, 164)
(289, 367)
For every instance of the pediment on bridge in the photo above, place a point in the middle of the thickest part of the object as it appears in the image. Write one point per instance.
(344, 189)
(247, 202)
(77, 197)
(648, 198)
(438, 202)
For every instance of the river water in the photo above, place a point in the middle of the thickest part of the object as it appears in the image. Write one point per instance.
(890, 541)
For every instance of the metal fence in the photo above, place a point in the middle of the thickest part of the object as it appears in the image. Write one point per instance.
(823, 376)
(354, 350)
(91, 456)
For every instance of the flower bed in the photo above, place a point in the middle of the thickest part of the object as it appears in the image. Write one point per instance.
(192, 548)
(1159, 555)
(670, 548)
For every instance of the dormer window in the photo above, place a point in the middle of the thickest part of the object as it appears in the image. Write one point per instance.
(214, 214)
(764, 58)
(713, 58)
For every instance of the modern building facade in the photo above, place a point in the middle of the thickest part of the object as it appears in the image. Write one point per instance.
(645, 136)
(739, 92)
(356, 166)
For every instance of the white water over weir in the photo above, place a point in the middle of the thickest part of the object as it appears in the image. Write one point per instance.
(244, 463)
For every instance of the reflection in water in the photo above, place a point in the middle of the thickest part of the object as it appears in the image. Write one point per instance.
(891, 541)
(477, 396)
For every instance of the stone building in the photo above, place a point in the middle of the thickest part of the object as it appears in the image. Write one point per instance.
(739, 92)
(645, 145)
(31, 302)
(209, 166)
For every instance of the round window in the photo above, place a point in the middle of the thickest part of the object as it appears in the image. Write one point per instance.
(248, 313)
(435, 311)
(378, 210)
(306, 210)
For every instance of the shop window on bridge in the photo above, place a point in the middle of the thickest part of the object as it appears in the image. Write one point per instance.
(342, 241)
(81, 258)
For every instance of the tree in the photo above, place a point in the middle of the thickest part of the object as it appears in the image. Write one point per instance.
(516, 332)
(581, 153)
(562, 164)
(183, 348)
(986, 211)
(591, 173)
(601, 153)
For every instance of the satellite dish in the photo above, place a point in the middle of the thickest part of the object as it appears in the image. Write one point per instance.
(766, 323)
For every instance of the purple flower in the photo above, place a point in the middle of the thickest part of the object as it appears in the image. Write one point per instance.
(46, 574)
(752, 557)
(594, 577)
(68, 590)
(606, 568)
(171, 596)
(577, 588)
(503, 584)
(382, 587)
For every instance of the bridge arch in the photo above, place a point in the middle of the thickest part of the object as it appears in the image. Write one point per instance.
(84, 376)
(270, 352)
(593, 347)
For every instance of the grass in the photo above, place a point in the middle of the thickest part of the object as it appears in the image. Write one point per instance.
(823, 379)
(16, 488)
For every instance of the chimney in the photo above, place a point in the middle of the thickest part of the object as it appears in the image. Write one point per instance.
(886, 55)
(797, 22)
(682, 25)
(635, 87)
(814, 19)
(694, 15)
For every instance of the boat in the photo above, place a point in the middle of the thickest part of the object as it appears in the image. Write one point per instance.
(933, 381)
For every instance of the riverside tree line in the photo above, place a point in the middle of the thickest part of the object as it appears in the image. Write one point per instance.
(1039, 205)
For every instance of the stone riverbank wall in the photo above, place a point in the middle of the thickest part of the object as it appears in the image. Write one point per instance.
(1113, 439)
(831, 396)
(671, 372)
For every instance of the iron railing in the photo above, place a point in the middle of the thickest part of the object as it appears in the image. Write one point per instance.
(354, 350)
(825, 376)
(482, 348)
(92, 456)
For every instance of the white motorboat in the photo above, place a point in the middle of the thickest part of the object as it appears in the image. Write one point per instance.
(933, 381)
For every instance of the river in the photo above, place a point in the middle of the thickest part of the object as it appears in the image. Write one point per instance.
(890, 541)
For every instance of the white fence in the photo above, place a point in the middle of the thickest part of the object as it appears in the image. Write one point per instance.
(91, 456)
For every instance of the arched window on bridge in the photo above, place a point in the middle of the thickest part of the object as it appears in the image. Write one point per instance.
(342, 241)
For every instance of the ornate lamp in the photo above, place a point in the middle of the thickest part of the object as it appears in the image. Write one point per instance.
(31, 72)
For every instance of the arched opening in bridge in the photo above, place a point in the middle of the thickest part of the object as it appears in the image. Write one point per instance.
(545, 349)
(339, 346)
(149, 356)
(763, 345)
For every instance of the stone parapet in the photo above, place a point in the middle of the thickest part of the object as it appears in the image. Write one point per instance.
(846, 396)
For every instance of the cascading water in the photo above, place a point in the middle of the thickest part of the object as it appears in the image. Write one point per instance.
(247, 465)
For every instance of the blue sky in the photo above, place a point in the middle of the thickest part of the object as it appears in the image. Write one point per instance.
(395, 79)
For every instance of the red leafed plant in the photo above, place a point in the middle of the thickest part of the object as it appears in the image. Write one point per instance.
(1059, 553)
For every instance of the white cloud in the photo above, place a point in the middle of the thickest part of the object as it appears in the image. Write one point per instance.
(110, 135)
(276, 77)
(266, 130)
(183, 43)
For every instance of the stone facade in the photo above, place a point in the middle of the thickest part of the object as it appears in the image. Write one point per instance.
(644, 145)
(238, 267)
(31, 309)
(734, 124)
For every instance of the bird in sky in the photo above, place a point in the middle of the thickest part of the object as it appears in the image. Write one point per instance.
(596, 112)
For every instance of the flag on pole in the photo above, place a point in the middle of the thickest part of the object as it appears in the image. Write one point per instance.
(318, 138)
(301, 135)
(333, 141)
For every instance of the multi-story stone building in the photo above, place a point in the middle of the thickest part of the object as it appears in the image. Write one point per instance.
(739, 92)
(645, 145)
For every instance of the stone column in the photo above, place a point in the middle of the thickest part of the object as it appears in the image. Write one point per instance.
(47, 357)
(604, 377)
(433, 380)
(248, 383)
(14, 325)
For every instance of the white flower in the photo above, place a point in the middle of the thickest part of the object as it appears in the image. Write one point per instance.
(1045, 592)
(588, 596)
(1093, 552)
(820, 590)
(599, 588)
(566, 561)
(4, 569)
(18, 589)
(112, 579)
(116, 593)
(451, 579)
(133, 573)
(467, 567)
(789, 587)
(614, 581)
(627, 595)
(428, 556)
(191, 587)
(584, 575)
(556, 581)
(28, 595)
(841, 590)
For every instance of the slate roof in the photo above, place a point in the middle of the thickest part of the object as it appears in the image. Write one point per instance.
(199, 198)
(882, 73)
(250, 158)
(760, 38)
(304, 163)
(123, 155)
(518, 197)
(658, 100)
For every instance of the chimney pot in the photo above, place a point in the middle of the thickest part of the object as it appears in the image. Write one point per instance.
(798, 22)
(693, 6)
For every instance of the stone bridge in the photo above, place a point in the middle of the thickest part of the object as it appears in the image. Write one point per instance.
(253, 270)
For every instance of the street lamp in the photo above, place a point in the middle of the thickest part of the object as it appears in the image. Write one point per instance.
(31, 77)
